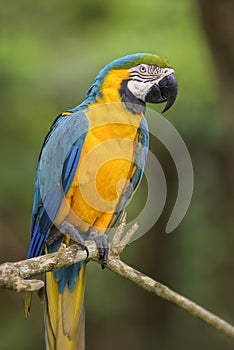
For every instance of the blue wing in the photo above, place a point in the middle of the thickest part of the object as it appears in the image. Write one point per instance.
(141, 153)
(142, 146)
(57, 165)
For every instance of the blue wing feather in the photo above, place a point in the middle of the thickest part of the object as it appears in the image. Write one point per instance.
(70, 166)
(141, 153)
(57, 165)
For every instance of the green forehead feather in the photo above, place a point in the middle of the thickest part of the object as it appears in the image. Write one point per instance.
(140, 58)
(133, 60)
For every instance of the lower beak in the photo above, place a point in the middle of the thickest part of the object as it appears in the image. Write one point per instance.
(165, 91)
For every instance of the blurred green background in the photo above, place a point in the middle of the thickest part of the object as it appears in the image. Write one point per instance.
(51, 51)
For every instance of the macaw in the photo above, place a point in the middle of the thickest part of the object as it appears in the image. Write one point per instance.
(91, 162)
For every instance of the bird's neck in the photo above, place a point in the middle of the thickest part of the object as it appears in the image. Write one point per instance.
(114, 89)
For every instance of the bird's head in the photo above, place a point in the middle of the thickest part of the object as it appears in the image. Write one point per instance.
(139, 78)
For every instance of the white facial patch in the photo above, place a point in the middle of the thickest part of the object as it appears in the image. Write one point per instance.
(139, 89)
(143, 77)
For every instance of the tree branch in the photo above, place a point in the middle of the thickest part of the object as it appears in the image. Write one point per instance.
(15, 275)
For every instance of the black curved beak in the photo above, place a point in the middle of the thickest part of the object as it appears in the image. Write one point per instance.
(165, 91)
(169, 89)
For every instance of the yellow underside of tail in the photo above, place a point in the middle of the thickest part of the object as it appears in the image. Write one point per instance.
(64, 316)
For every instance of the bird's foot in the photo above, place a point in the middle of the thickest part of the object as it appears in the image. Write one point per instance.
(68, 229)
(101, 241)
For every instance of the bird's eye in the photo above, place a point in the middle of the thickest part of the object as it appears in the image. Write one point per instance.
(142, 69)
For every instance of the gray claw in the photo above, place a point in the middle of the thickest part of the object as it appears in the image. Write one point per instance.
(101, 241)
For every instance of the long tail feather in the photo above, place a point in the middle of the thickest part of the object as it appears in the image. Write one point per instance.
(64, 314)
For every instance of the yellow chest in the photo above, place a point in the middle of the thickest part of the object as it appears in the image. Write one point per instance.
(105, 167)
(106, 162)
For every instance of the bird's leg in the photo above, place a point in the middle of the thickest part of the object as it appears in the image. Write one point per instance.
(54, 238)
(68, 229)
(101, 241)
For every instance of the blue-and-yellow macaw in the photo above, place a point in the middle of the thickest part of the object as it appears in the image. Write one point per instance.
(91, 163)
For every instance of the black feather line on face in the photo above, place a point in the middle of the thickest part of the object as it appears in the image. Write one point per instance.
(131, 102)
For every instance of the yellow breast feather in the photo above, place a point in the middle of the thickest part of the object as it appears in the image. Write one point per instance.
(106, 162)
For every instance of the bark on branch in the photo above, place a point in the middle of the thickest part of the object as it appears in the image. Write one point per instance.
(15, 275)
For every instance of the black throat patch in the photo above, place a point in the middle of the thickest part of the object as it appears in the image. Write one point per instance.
(133, 104)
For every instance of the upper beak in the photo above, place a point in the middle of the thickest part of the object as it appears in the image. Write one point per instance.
(165, 91)
(169, 89)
